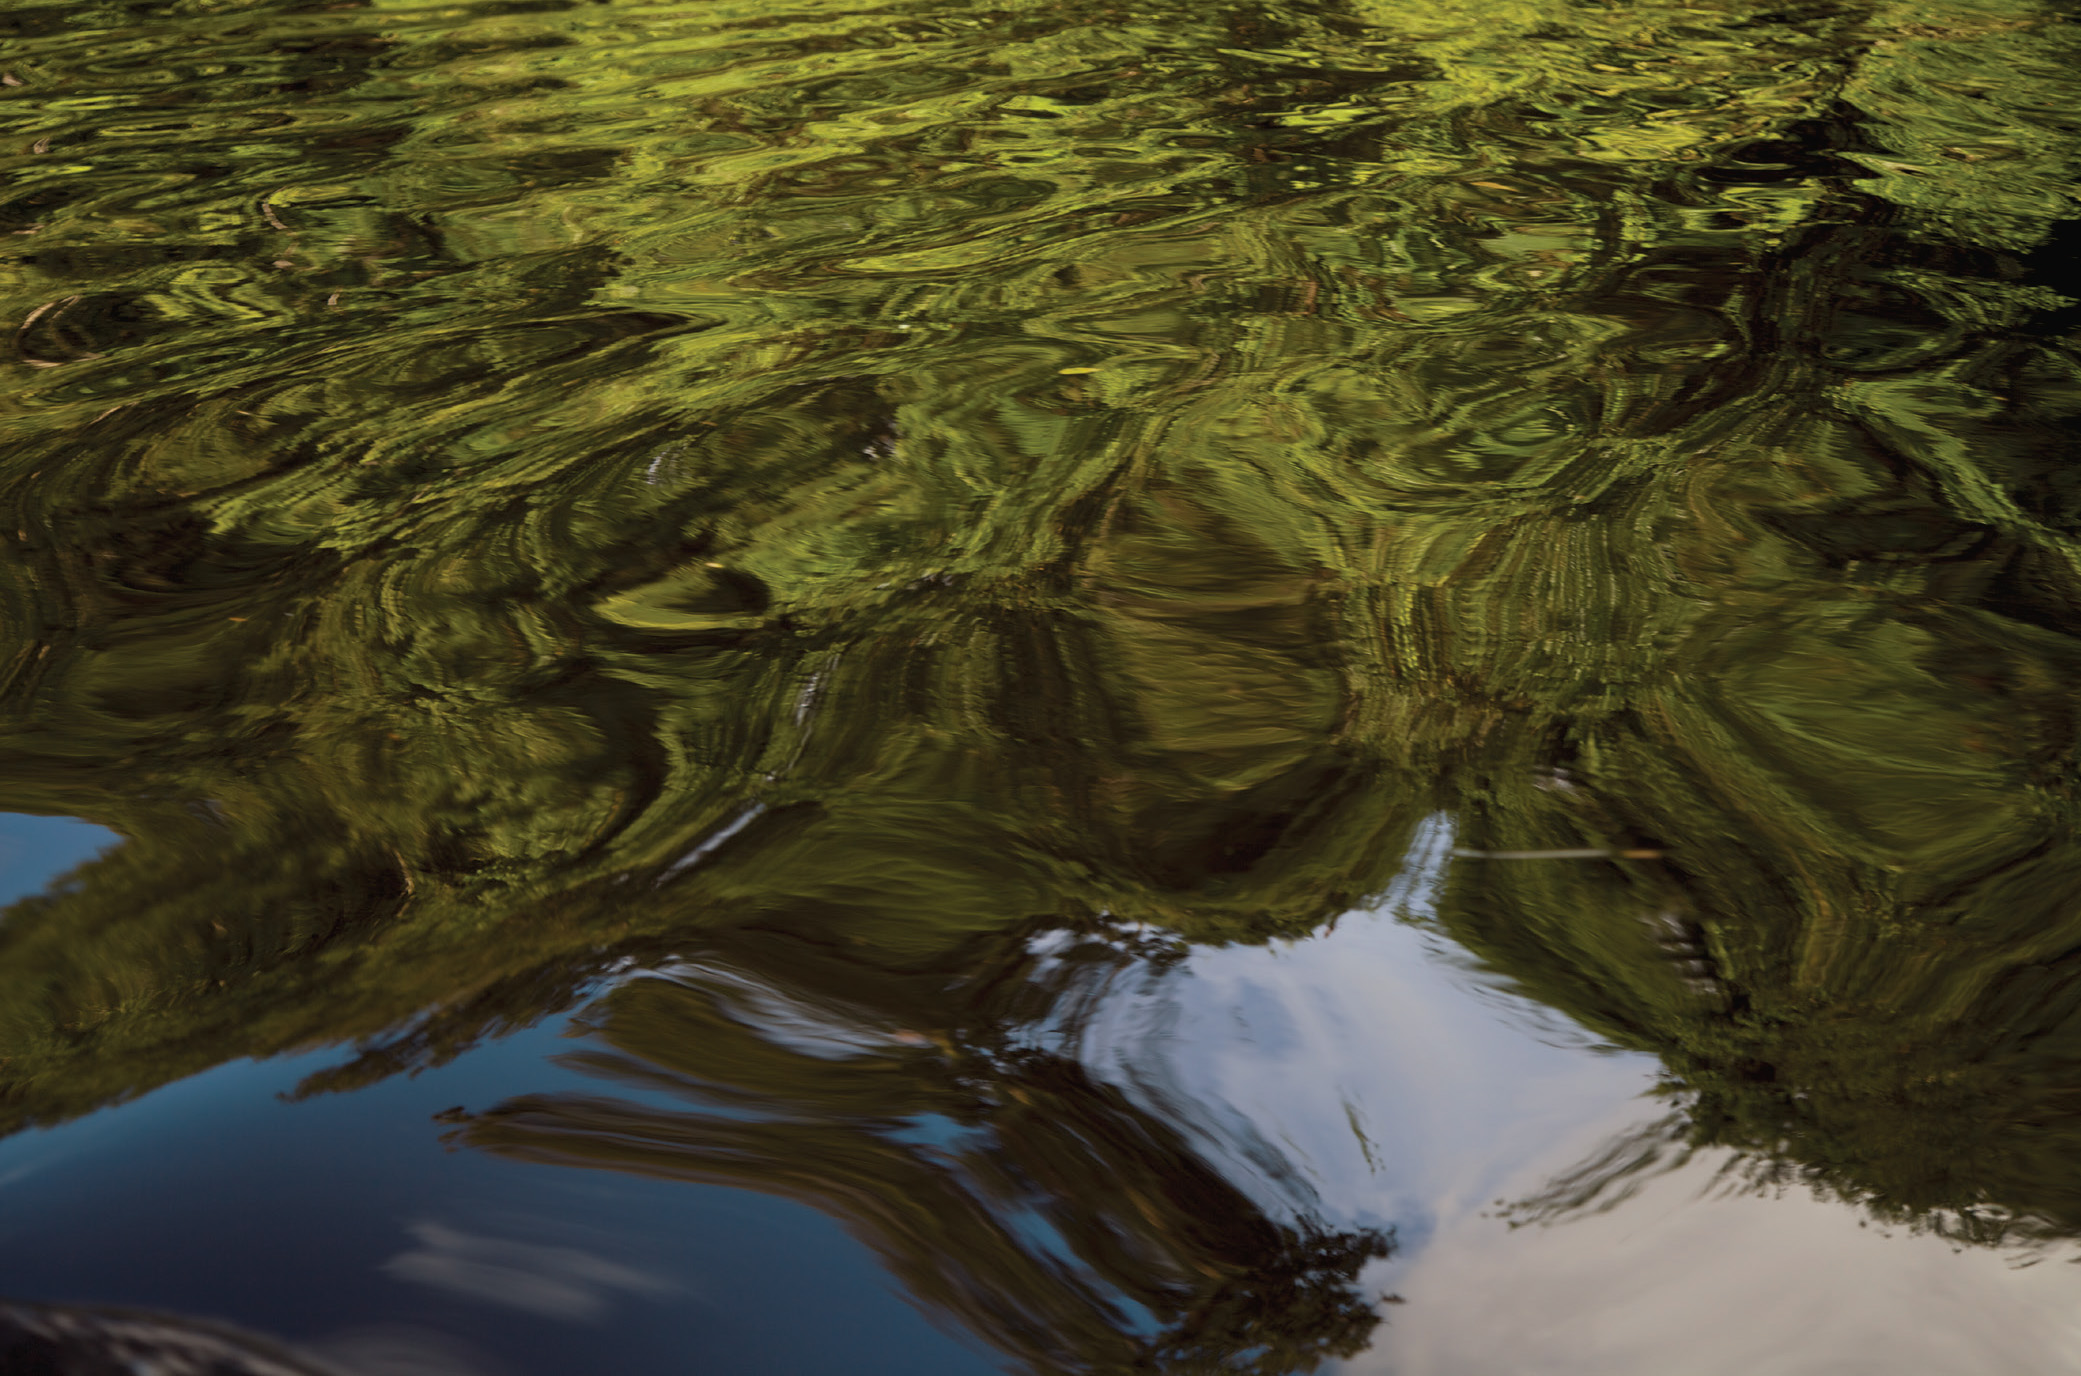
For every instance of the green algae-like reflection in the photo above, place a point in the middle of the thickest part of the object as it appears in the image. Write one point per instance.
(504, 493)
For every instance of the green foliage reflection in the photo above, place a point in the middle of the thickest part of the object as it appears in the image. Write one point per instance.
(837, 489)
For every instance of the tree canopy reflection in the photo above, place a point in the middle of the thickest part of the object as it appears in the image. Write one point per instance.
(1054, 470)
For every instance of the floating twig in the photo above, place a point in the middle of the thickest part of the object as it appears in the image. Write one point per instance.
(1574, 853)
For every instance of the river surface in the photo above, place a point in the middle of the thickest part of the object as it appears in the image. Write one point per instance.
(1381, 686)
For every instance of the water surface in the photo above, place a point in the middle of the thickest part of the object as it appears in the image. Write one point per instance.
(1077, 687)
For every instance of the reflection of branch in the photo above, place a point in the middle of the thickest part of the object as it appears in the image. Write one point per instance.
(1635, 1158)
(943, 1245)
(1615, 1174)
(1015, 1195)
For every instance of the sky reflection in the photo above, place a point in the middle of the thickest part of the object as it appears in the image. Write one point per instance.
(1400, 1084)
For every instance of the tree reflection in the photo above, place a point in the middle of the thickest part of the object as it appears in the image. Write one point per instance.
(1007, 1189)
(1077, 473)
(1921, 1060)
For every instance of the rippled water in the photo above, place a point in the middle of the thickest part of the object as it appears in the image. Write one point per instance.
(1078, 687)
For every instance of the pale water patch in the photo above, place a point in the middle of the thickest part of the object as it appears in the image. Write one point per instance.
(1383, 1078)
(1686, 1278)
(34, 850)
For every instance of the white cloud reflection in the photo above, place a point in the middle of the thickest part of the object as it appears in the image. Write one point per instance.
(1685, 1280)
(557, 1282)
(1401, 1087)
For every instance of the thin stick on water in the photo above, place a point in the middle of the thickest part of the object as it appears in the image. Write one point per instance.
(1577, 853)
